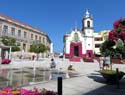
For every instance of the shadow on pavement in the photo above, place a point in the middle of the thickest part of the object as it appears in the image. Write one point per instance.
(106, 89)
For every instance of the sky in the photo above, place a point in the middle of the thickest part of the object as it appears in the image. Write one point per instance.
(58, 17)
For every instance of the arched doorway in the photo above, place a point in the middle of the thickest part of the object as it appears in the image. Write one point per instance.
(76, 51)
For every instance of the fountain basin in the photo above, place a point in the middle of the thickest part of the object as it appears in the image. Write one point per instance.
(55, 75)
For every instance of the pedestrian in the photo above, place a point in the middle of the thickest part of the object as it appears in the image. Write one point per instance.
(70, 67)
(52, 64)
(107, 62)
(101, 62)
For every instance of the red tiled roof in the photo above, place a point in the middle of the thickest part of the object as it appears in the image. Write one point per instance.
(6, 17)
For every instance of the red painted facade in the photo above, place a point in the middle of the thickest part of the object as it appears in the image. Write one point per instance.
(89, 53)
(72, 51)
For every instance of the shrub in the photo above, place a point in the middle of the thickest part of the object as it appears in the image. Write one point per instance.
(19, 91)
(5, 61)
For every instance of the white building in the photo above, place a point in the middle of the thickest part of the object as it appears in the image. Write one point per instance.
(80, 44)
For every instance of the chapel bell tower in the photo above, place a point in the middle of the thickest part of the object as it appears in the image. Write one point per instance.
(87, 23)
(87, 30)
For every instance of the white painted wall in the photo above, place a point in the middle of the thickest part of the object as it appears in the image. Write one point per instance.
(87, 40)
(89, 34)
(70, 39)
(89, 44)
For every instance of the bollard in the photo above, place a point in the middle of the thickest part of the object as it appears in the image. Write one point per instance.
(117, 79)
(59, 86)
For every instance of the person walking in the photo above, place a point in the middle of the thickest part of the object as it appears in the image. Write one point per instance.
(108, 62)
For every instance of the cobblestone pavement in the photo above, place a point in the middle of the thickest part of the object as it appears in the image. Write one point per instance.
(89, 81)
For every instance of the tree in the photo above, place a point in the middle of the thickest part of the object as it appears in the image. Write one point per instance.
(8, 41)
(106, 48)
(15, 48)
(38, 48)
(120, 48)
(116, 39)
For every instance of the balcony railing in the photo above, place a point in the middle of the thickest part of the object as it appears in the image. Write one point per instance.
(18, 38)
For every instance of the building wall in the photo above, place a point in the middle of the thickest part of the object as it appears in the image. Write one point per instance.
(70, 38)
(89, 43)
(86, 39)
(37, 35)
(0, 28)
(99, 38)
(88, 30)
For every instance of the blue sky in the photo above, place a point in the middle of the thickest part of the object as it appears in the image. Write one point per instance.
(58, 17)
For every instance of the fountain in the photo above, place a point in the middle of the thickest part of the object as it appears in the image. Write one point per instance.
(34, 72)
(32, 75)
(56, 73)
(22, 75)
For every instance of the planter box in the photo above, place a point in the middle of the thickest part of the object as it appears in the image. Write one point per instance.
(111, 78)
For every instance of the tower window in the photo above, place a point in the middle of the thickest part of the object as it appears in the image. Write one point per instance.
(88, 23)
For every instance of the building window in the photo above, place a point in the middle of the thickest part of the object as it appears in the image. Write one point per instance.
(40, 39)
(19, 33)
(98, 39)
(43, 40)
(97, 45)
(31, 36)
(35, 37)
(5, 29)
(76, 38)
(88, 23)
(25, 34)
(13, 31)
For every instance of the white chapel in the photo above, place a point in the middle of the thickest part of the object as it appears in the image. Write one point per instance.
(80, 43)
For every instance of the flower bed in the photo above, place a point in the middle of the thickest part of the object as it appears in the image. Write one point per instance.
(19, 91)
(5, 61)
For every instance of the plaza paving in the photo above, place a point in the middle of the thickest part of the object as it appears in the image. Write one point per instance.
(89, 81)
